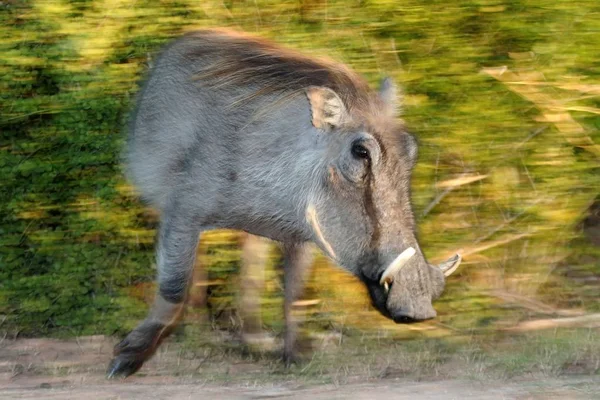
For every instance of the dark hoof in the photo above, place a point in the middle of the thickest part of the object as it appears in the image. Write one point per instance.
(122, 367)
(132, 351)
(290, 359)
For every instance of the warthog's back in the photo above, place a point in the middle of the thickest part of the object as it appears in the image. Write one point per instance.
(206, 98)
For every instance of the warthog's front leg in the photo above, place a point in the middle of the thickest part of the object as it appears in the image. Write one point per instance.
(297, 261)
(178, 239)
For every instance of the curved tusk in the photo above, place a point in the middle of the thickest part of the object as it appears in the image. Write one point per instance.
(311, 216)
(449, 266)
(396, 265)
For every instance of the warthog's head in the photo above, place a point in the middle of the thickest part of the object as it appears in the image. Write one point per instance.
(360, 211)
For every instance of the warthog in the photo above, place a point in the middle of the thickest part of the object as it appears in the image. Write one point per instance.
(232, 131)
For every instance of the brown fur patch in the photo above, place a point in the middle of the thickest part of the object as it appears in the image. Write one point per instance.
(332, 175)
(240, 59)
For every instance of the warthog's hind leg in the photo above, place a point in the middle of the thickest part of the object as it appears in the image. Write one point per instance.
(255, 253)
(178, 239)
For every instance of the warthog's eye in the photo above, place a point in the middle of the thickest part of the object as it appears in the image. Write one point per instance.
(360, 151)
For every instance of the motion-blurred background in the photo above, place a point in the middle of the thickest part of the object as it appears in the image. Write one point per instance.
(503, 95)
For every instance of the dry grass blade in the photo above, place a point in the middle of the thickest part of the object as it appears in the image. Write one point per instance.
(440, 196)
(495, 243)
(585, 321)
(306, 303)
(214, 282)
(467, 251)
(590, 110)
(532, 304)
(461, 180)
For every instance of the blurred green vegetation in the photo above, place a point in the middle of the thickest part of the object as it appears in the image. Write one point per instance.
(504, 97)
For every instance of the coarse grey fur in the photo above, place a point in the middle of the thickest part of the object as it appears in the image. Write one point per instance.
(232, 131)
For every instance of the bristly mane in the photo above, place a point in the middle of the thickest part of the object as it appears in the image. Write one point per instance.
(239, 59)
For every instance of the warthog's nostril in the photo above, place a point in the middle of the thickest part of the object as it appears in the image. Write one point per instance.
(403, 318)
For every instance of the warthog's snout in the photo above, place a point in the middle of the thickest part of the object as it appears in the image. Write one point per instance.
(409, 285)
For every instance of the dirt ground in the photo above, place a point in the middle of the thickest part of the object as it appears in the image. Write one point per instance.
(53, 369)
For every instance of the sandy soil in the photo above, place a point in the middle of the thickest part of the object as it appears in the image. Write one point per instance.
(563, 390)
(52, 369)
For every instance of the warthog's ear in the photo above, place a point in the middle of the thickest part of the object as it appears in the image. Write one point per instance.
(327, 109)
(388, 92)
